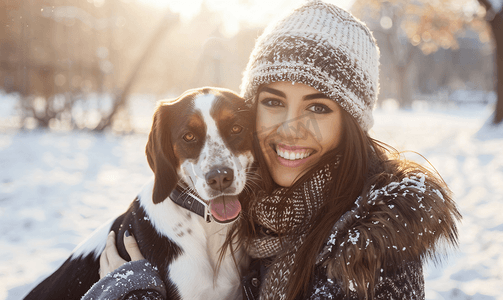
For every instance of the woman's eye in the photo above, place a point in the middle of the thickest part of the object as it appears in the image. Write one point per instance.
(189, 137)
(319, 109)
(271, 102)
(236, 129)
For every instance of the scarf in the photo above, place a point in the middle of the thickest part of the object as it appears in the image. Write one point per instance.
(284, 231)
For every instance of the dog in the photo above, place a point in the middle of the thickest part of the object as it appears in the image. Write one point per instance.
(199, 148)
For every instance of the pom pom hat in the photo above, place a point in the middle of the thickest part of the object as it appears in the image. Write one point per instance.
(325, 47)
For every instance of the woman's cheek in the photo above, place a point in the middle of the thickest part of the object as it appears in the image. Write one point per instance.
(265, 123)
(262, 123)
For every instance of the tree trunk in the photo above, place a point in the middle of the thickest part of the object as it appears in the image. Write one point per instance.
(403, 57)
(497, 28)
(495, 20)
(404, 91)
(120, 99)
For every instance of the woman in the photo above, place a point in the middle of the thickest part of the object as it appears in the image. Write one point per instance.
(339, 215)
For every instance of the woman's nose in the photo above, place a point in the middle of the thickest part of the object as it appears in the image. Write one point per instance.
(293, 128)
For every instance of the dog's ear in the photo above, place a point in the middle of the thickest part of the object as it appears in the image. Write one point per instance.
(160, 155)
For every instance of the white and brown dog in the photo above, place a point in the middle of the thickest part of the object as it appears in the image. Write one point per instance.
(200, 148)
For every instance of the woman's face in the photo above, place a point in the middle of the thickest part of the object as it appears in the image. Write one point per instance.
(296, 125)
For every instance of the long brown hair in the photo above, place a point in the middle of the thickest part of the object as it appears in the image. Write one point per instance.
(349, 178)
(363, 161)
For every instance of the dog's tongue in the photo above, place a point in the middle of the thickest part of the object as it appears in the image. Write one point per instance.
(225, 208)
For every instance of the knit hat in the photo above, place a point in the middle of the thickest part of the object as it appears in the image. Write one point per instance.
(325, 47)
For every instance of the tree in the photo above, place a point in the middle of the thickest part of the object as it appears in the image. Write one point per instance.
(120, 98)
(494, 17)
(425, 25)
(74, 65)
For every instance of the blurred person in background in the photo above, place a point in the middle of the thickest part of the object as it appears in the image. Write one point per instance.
(338, 215)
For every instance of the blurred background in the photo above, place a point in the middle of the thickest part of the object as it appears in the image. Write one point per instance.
(79, 80)
(75, 64)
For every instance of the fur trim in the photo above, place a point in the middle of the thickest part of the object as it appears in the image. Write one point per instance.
(412, 219)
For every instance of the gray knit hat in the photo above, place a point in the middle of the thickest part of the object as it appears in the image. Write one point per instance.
(325, 47)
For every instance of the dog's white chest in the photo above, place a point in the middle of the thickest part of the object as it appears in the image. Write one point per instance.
(193, 272)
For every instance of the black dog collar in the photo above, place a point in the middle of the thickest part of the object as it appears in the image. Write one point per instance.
(190, 202)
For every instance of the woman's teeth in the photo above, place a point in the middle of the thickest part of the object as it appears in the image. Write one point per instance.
(293, 155)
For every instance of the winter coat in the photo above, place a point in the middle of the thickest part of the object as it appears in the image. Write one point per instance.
(132, 281)
(381, 243)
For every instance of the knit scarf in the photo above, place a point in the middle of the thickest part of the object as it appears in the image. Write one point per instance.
(283, 241)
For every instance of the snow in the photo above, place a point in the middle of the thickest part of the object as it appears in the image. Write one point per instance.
(57, 187)
(468, 153)
(124, 276)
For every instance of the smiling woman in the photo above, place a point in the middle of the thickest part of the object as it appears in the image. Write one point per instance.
(339, 214)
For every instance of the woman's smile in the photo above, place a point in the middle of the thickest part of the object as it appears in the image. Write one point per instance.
(296, 126)
(292, 156)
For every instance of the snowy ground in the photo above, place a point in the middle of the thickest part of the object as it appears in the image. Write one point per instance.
(56, 187)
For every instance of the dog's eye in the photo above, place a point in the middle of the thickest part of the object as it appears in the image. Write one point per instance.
(189, 137)
(236, 129)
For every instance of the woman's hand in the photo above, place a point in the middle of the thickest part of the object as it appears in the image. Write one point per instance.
(110, 258)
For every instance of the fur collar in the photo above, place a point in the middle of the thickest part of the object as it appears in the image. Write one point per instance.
(397, 220)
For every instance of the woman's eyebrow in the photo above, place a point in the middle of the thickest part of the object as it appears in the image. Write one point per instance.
(315, 96)
(272, 91)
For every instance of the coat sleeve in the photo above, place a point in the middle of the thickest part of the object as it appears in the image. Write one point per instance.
(406, 283)
(133, 280)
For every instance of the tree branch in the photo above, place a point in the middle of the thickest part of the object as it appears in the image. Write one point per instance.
(120, 99)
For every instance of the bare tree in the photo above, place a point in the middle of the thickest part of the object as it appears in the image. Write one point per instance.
(392, 15)
(119, 100)
(409, 26)
(494, 17)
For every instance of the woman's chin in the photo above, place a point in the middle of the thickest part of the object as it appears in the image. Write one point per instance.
(285, 176)
(284, 182)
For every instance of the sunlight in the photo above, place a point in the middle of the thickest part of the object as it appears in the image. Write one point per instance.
(186, 8)
(237, 13)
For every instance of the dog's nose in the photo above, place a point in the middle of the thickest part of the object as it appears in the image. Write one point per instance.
(220, 178)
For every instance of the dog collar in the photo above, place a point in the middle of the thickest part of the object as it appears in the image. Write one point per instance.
(190, 202)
